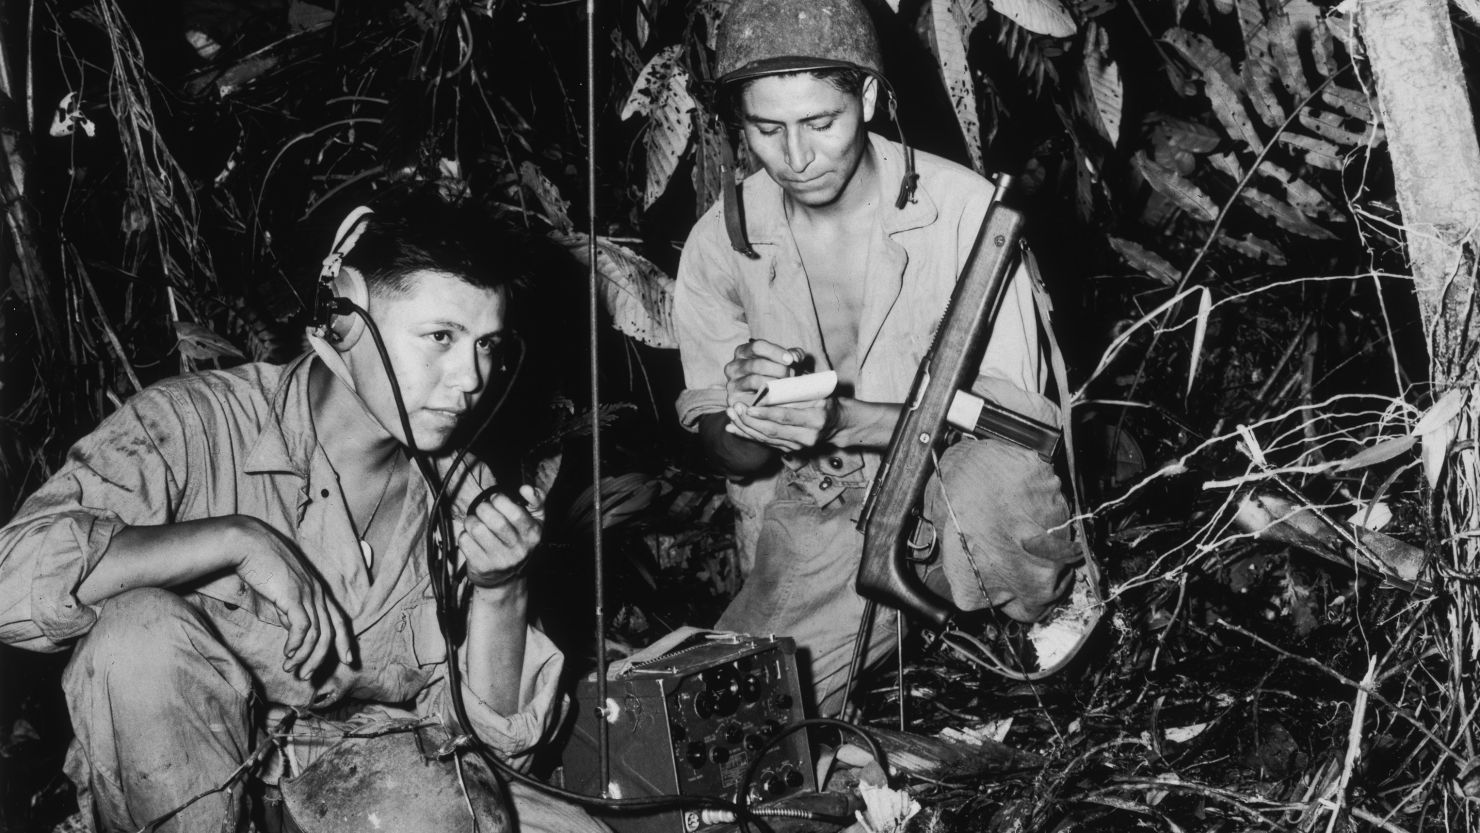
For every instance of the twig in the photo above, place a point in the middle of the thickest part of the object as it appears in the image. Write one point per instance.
(1371, 818)
(1342, 678)
(236, 775)
(1353, 747)
(1243, 802)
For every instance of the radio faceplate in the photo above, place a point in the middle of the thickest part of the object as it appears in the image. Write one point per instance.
(690, 723)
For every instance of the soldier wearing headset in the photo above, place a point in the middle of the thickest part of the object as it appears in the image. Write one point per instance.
(232, 541)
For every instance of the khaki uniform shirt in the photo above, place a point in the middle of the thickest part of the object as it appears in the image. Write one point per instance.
(243, 441)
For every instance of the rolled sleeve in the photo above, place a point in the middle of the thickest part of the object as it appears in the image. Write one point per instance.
(115, 477)
(38, 596)
(710, 322)
(513, 736)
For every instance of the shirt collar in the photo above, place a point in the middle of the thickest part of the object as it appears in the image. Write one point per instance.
(287, 439)
(766, 212)
(288, 442)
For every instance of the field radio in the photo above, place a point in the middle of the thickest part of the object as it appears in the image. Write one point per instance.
(690, 722)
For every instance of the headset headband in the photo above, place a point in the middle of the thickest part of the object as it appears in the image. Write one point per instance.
(345, 239)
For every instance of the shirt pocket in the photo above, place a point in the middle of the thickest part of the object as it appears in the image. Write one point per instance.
(420, 630)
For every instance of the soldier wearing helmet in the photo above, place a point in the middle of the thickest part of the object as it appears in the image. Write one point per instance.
(840, 254)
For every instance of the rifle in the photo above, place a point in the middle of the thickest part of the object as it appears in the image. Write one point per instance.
(948, 368)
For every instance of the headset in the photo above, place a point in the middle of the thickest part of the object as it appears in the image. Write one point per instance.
(445, 575)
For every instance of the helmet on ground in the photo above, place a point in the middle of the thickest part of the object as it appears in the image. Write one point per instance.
(767, 37)
(395, 782)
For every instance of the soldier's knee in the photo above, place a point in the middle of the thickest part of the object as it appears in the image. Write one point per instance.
(141, 637)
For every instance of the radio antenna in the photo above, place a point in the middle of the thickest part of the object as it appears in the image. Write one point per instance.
(593, 278)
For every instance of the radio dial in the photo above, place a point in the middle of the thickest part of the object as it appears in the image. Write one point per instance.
(696, 754)
(750, 689)
(725, 703)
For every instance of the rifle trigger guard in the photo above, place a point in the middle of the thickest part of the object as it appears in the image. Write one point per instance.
(914, 543)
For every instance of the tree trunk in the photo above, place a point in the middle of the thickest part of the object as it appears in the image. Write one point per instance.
(1436, 164)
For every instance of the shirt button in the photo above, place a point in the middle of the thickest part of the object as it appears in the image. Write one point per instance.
(323, 493)
(825, 483)
(835, 462)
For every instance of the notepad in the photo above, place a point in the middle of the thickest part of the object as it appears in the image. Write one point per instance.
(793, 389)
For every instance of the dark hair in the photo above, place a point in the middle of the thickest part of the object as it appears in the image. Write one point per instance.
(846, 81)
(424, 232)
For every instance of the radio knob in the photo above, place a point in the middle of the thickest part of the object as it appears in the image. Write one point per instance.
(773, 785)
(719, 678)
(704, 704)
(754, 742)
(733, 733)
(782, 701)
(792, 778)
(719, 754)
(726, 702)
(750, 689)
(696, 754)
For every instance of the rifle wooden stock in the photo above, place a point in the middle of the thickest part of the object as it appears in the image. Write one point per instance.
(885, 574)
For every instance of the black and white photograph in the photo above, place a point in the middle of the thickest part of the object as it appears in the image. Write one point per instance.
(739, 416)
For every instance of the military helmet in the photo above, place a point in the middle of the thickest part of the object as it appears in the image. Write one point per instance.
(768, 37)
(772, 37)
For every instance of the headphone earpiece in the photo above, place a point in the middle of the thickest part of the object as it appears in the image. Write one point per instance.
(327, 304)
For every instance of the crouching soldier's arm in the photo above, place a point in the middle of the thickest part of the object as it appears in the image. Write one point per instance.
(109, 521)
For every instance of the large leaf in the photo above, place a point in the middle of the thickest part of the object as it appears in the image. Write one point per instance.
(638, 295)
(1302, 194)
(1199, 335)
(1258, 74)
(1337, 128)
(1441, 415)
(1045, 17)
(1177, 188)
(1220, 84)
(1286, 216)
(948, 30)
(707, 157)
(1104, 81)
(1351, 102)
(1182, 134)
(1144, 260)
(1379, 453)
(557, 210)
(1298, 192)
(1284, 47)
(661, 93)
(1253, 248)
(1316, 151)
(646, 12)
